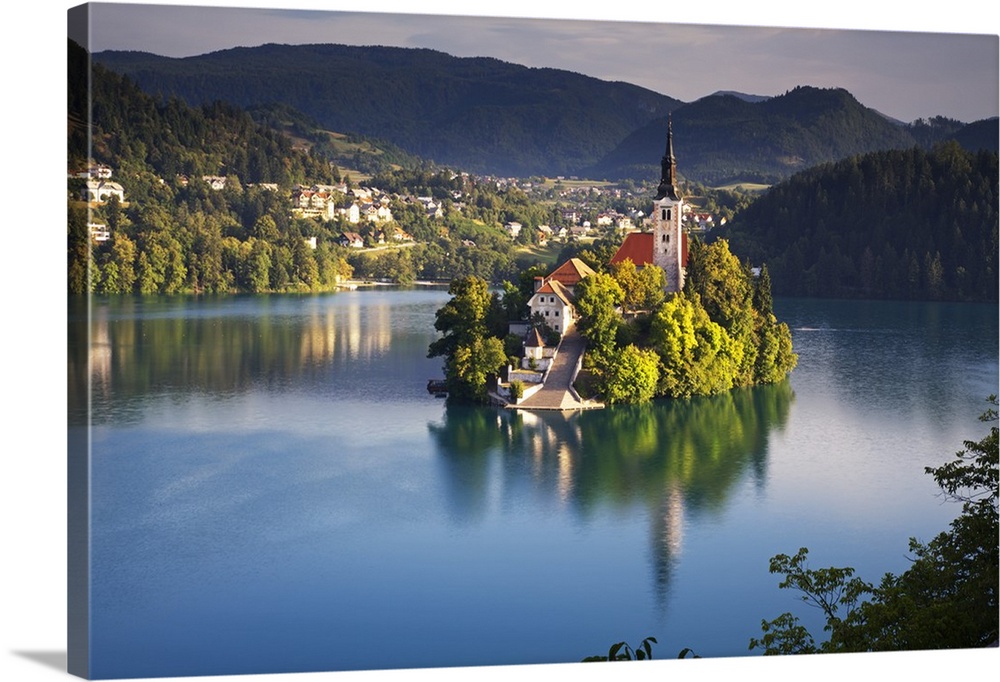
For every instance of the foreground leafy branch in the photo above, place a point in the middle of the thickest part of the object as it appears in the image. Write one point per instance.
(946, 599)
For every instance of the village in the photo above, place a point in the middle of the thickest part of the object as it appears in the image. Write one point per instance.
(365, 218)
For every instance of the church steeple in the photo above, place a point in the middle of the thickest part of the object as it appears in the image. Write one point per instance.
(668, 168)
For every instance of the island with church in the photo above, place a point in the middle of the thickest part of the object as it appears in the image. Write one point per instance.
(668, 316)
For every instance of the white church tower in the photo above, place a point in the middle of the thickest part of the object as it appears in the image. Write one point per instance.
(668, 208)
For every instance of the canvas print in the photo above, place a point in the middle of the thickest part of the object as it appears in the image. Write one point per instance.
(422, 341)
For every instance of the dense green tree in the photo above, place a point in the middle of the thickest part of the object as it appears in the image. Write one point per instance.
(698, 356)
(597, 299)
(946, 599)
(642, 288)
(78, 252)
(471, 354)
(630, 375)
(909, 224)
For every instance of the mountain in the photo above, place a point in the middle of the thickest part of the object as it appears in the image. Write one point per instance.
(493, 117)
(481, 114)
(753, 99)
(723, 138)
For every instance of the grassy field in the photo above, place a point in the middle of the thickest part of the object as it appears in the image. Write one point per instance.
(745, 186)
(546, 254)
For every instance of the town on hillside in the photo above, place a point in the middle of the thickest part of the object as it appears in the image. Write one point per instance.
(363, 215)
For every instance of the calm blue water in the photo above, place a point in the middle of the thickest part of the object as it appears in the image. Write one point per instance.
(274, 490)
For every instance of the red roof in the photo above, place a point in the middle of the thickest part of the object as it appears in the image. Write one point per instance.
(571, 272)
(554, 287)
(638, 248)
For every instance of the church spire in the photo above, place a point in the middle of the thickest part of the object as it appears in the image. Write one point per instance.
(668, 168)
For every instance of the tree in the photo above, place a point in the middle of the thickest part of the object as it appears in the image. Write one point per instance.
(597, 299)
(642, 289)
(630, 376)
(471, 354)
(946, 599)
(698, 356)
(469, 369)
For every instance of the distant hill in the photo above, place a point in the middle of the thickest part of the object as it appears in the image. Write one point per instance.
(483, 115)
(492, 117)
(901, 224)
(723, 138)
(742, 95)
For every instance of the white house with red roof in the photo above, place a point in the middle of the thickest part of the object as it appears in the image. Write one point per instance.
(553, 297)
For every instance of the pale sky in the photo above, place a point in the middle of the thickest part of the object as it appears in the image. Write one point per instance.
(904, 74)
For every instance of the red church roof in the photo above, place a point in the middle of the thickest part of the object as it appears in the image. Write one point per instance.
(638, 248)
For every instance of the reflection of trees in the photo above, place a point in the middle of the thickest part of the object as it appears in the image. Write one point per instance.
(139, 346)
(675, 458)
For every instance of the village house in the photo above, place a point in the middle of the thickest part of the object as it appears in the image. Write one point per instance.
(99, 191)
(537, 355)
(513, 229)
(95, 171)
(216, 182)
(352, 240)
(99, 232)
(553, 295)
(351, 214)
(376, 212)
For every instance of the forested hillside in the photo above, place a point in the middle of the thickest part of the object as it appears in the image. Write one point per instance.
(174, 233)
(723, 139)
(480, 114)
(492, 117)
(909, 224)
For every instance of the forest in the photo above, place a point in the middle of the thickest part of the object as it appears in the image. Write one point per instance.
(901, 224)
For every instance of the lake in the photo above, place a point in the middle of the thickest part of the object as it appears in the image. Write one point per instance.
(274, 490)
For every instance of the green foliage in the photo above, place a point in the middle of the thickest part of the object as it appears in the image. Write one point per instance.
(517, 389)
(742, 305)
(910, 224)
(698, 356)
(471, 366)
(427, 103)
(946, 599)
(597, 299)
(642, 289)
(471, 353)
(623, 652)
(630, 375)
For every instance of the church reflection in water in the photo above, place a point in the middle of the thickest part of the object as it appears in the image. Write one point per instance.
(675, 459)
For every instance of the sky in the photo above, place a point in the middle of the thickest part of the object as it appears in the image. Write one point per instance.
(905, 74)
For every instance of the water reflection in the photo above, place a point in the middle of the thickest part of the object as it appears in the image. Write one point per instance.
(133, 348)
(674, 459)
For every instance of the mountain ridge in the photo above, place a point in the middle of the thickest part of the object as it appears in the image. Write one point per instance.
(489, 116)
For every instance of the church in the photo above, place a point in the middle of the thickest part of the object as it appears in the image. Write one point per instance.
(666, 246)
